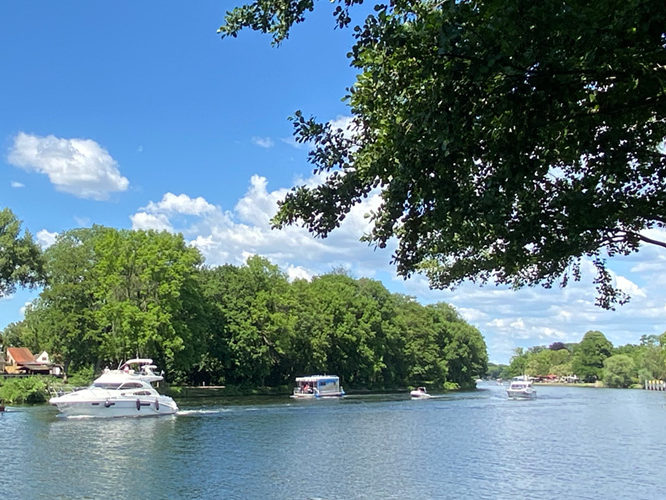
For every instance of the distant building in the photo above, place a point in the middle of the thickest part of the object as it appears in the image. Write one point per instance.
(21, 361)
(43, 358)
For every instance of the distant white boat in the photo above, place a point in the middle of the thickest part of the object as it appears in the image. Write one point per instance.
(521, 388)
(125, 392)
(318, 386)
(420, 393)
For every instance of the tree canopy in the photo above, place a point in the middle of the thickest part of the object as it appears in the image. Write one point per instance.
(589, 356)
(508, 139)
(114, 294)
(20, 257)
(593, 359)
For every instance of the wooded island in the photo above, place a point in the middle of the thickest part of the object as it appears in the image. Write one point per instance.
(114, 294)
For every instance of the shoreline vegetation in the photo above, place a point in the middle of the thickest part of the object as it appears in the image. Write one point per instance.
(113, 295)
(35, 390)
(594, 361)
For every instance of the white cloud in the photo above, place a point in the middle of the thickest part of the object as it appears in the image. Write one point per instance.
(17, 185)
(655, 267)
(291, 141)
(517, 324)
(629, 287)
(146, 221)
(263, 142)
(656, 233)
(345, 123)
(564, 316)
(258, 205)
(230, 236)
(24, 307)
(46, 238)
(82, 221)
(298, 273)
(181, 204)
(537, 333)
(471, 314)
(76, 166)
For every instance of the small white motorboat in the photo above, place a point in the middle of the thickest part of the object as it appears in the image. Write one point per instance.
(125, 392)
(521, 388)
(420, 393)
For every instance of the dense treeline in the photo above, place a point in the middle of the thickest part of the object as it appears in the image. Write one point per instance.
(593, 359)
(114, 294)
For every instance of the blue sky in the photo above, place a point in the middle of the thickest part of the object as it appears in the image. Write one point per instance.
(137, 115)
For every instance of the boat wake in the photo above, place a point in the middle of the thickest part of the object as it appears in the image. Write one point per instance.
(184, 413)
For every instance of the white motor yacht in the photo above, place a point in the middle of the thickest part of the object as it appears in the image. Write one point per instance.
(125, 392)
(521, 388)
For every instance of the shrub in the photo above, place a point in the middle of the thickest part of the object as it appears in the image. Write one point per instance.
(29, 390)
(81, 377)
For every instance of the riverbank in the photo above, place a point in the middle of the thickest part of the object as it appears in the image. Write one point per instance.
(38, 389)
(597, 384)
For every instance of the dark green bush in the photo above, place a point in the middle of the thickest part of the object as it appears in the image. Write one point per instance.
(28, 390)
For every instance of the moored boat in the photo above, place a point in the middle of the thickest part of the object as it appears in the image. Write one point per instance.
(318, 386)
(125, 392)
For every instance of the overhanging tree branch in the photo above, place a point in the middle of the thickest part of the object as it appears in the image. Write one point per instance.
(645, 239)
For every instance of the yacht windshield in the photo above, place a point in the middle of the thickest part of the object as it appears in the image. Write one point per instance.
(131, 385)
(107, 385)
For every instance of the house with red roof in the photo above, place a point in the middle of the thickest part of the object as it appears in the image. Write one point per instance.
(21, 360)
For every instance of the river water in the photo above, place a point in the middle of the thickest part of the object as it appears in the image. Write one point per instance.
(569, 443)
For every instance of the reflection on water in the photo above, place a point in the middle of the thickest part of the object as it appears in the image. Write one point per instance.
(568, 443)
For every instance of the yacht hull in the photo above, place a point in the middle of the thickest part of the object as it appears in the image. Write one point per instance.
(115, 407)
(521, 394)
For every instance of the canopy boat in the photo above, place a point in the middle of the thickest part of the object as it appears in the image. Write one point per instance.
(125, 392)
(521, 388)
(419, 393)
(318, 386)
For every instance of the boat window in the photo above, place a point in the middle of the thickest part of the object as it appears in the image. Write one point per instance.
(132, 385)
(106, 385)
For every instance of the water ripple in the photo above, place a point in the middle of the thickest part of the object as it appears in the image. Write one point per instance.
(569, 443)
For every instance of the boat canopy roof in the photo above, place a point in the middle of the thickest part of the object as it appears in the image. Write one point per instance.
(136, 361)
(317, 378)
